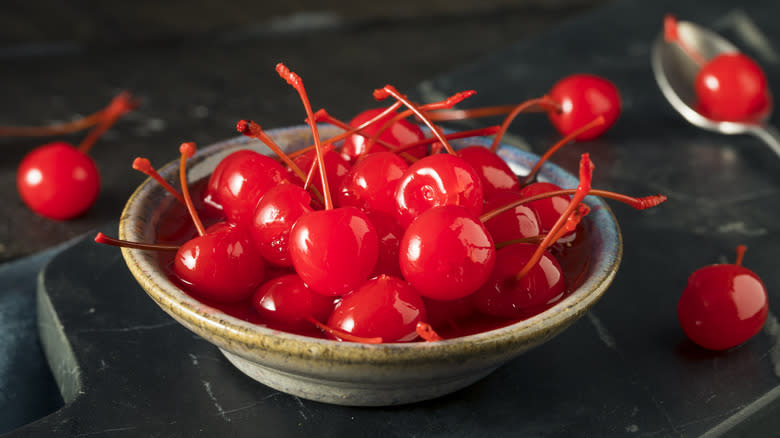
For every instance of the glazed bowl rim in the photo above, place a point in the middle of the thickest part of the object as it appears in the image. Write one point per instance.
(247, 336)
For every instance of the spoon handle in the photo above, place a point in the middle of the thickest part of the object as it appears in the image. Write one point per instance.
(770, 135)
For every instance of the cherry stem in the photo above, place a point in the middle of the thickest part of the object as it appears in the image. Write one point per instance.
(425, 331)
(541, 102)
(314, 166)
(480, 132)
(119, 106)
(344, 335)
(253, 130)
(672, 35)
(144, 166)
(642, 203)
(586, 176)
(295, 81)
(444, 104)
(102, 238)
(533, 240)
(389, 90)
(740, 254)
(60, 128)
(488, 111)
(322, 115)
(598, 121)
(188, 150)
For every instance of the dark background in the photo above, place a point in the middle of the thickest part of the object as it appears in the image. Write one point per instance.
(200, 66)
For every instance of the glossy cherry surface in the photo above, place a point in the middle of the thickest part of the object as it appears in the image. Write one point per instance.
(335, 250)
(400, 133)
(273, 219)
(732, 87)
(446, 253)
(389, 233)
(58, 181)
(547, 210)
(518, 223)
(506, 296)
(241, 182)
(288, 302)
(336, 167)
(386, 307)
(436, 180)
(584, 97)
(493, 171)
(371, 182)
(222, 265)
(722, 306)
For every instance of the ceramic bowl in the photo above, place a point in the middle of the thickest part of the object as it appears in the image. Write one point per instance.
(351, 373)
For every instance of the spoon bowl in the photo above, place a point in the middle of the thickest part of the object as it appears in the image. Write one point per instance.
(675, 74)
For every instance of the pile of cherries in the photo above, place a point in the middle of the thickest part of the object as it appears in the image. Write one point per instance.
(381, 234)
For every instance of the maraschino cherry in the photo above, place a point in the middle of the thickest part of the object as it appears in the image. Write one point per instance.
(288, 302)
(583, 98)
(723, 305)
(221, 264)
(335, 249)
(730, 86)
(446, 253)
(60, 181)
(385, 307)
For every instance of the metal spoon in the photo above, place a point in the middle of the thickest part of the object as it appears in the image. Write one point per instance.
(675, 73)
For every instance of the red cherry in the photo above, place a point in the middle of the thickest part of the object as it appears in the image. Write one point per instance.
(370, 184)
(223, 265)
(242, 181)
(274, 216)
(436, 180)
(732, 87)
(336, 166)
(288, 302)
(506, 296)
(723, 305)
(389, 233)
(584, 97)
(518, 223)
(493, 171)
(547, 210)
(446, 315)
(335, 250)
(400, 133)
(58, 181)
(446, 253)
(385, 307)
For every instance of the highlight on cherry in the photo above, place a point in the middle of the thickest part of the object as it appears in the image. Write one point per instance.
(394, 230)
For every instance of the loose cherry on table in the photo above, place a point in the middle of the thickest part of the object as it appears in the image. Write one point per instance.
(583, 98)
(730, 86)
(723, 305)
(60, 181)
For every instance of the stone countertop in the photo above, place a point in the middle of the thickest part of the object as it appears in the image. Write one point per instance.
(623, 370)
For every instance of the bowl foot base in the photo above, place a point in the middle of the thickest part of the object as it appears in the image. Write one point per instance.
(353, 393)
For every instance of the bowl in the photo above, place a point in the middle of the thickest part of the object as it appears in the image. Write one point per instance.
(347, 373)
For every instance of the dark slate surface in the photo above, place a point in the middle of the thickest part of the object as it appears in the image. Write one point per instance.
(624, 370)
